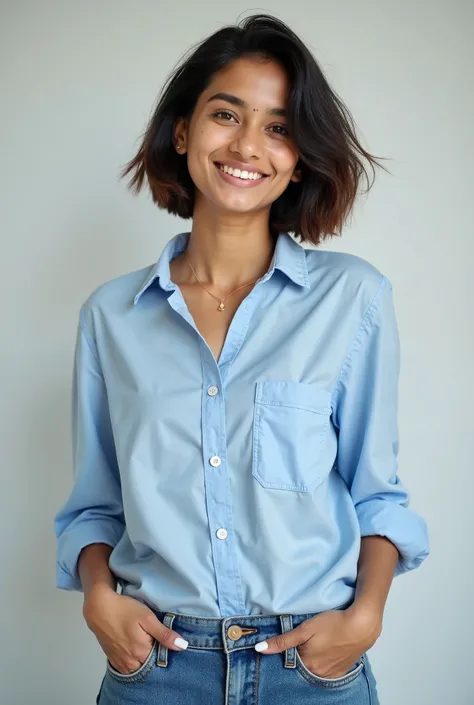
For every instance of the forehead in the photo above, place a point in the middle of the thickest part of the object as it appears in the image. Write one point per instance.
(260, 83)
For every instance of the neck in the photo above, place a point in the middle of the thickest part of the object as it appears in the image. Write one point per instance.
(225, 255)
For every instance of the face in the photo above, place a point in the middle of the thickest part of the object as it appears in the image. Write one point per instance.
(239, 122)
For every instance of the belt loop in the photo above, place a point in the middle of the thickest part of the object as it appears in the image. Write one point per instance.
(162, 658)
(290, 654)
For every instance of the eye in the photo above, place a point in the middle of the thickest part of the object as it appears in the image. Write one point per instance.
(285, 132)
(227, 116)
(222, 112)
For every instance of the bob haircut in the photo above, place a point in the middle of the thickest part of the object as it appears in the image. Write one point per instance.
(320, 125)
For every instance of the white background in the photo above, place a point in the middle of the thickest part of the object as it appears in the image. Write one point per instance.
(78, 83)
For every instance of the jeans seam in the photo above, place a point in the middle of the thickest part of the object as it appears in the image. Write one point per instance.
(369, 687)
(257, 677)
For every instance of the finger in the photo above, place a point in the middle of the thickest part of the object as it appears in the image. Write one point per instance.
(128, 663)
(281, 642)
(167, 637)
(125, 667)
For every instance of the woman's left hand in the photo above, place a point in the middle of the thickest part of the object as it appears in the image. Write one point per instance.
(331, 642)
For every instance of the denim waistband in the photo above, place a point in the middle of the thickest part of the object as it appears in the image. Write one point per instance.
(229, 633)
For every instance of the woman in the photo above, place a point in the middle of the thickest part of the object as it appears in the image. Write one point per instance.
(235, 430)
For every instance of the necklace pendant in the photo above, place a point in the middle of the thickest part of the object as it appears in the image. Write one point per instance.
(221, 306)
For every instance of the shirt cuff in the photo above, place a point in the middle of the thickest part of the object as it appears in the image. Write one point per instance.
(406, 529)
(71, 543)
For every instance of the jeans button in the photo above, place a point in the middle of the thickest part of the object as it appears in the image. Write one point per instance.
(234, 632)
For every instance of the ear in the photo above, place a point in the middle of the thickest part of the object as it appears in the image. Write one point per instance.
(296, 176)
(180, 135)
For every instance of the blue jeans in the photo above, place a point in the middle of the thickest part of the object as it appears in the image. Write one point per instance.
(221, 667)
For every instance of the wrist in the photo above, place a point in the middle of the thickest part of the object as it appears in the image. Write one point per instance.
(367, 617)
(99, 588)
(95, 596)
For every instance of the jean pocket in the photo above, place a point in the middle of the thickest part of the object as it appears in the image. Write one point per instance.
(140, 673)
(289, 428)
(349, 677)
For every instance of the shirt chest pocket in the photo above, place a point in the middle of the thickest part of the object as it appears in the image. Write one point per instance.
(290, 423)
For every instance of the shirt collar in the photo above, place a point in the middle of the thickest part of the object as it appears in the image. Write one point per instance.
(289, 257)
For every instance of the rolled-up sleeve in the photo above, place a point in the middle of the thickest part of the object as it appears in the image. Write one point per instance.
(365, 413)
(93, 512)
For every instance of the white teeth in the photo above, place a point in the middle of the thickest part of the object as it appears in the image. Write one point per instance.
(240, 174)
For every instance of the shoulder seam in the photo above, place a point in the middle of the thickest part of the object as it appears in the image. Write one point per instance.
(370, 309)
(88, 337)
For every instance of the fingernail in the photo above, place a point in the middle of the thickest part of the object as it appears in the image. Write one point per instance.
(261, 646)
(182, 643)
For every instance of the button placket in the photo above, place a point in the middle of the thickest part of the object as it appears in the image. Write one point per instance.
(218, 498)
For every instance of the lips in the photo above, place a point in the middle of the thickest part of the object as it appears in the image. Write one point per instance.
(242, 168)
(236, 181)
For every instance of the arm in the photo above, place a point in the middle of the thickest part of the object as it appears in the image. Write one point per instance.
(375, 571)
(93, 568)
(93, 512)
(394, 538)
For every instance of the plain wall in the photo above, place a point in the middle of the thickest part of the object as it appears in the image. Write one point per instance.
(78, 83)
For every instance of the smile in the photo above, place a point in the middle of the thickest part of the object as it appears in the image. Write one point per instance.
(238, 178)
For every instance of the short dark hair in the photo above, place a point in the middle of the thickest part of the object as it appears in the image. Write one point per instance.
(321, 126)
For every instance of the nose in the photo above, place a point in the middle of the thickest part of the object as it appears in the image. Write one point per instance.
(247, 143)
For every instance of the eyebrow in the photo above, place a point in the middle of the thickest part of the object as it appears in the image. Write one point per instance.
(229, 98)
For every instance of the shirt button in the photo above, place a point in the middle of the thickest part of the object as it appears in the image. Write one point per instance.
(221, 534)
(215, 461)
(212, 391)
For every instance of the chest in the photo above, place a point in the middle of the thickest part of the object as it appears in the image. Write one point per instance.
(213, 324)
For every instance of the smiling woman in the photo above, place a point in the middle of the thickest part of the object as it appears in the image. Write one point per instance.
(230, 458)
(254, 92)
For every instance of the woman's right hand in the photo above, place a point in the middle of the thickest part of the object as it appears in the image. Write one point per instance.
(125, 628)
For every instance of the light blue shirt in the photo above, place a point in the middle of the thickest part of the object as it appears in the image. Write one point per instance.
(241, 486)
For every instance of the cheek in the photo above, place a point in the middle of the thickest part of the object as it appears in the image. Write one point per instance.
(204, 144)
(199, 167)
(195, 169)
(284, 159)
(207, 138)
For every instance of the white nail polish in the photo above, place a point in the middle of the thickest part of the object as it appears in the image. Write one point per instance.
(182, 643)
(261, 646)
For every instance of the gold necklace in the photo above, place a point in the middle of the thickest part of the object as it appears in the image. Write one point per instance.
(221, 305)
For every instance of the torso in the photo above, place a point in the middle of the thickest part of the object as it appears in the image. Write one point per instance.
(211, 323)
